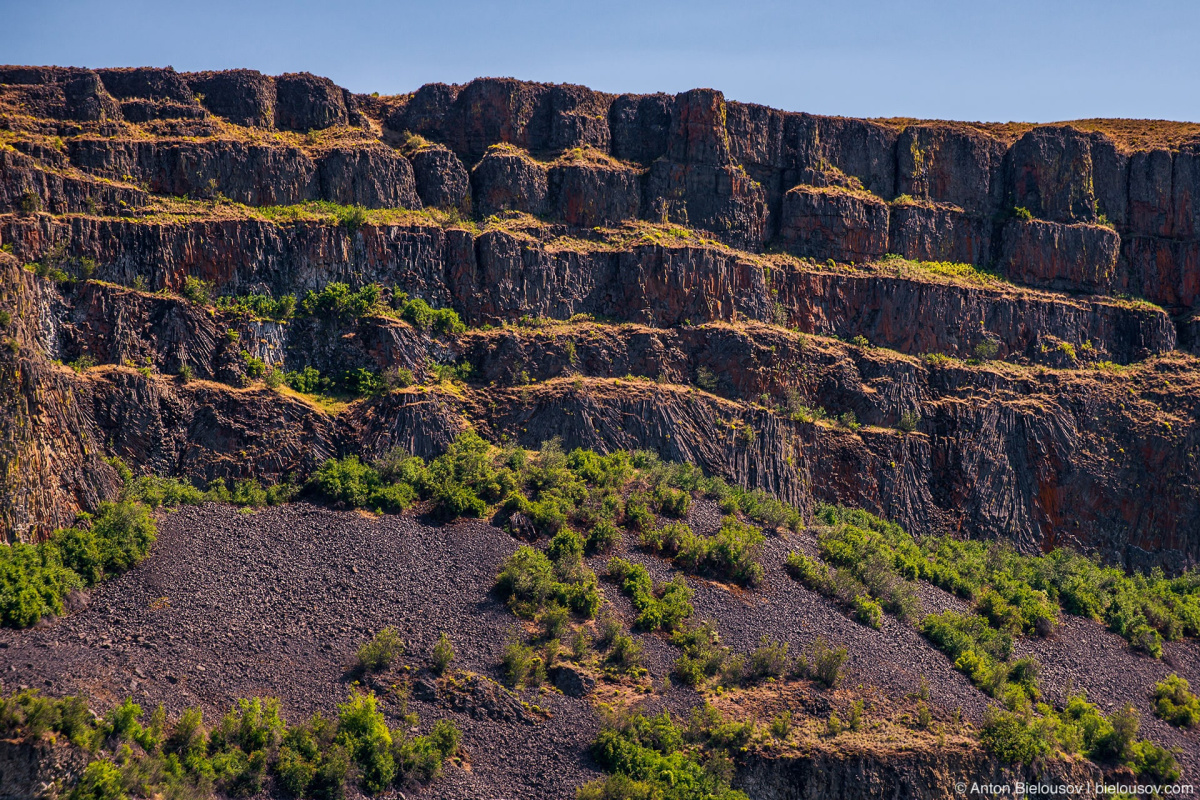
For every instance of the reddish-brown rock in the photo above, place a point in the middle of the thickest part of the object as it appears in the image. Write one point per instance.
(588, 194)
(832, 223)
(508, 179)
(442, 180)
(1049, 173)
(1074, 258)
(243, 96)
(939, 232)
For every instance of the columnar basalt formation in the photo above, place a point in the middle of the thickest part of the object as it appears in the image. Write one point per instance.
(1026, 294)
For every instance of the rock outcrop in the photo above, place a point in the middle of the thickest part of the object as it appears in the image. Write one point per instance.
(717, 250)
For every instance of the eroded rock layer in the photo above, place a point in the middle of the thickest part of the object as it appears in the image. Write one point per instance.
(977, 328)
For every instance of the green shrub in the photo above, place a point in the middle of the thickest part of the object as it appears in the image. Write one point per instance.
(337, 301)
(810, 572)
(730, 553)
(421, 315)
(555, 621)
(649, 759)
(986, 350)
(625, 653)
(196, 290)
(603, 537)
(672, 502)
(868, 612)
(251, 743)
(261, 306)
(345, 480)
(351, 218)
(526, 580)
(522, 666)
(781, 725)
(1176, 703)
(382, 651)
(662, 607)
(443, 653)
(421, 757)
(824, 662)
(769, 660)
(102, 780)
(308, 381)
(978, 650)
(158, 492)
(1021, 213)
(1016, 738)
(638, 515)
(363, 731)
(703, 656)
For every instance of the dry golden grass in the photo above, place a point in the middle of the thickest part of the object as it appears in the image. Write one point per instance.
(1129, 135)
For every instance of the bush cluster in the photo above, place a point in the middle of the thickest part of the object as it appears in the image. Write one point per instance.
(160, 492)
(421, 315)
(260, 306)
(1025, 733)
(873, 568)
(36, 578)
(705, 659)
(731, 553)
(663, 607)
(982, 653)
(338, 301)
(460, 483)
(381, 651)
(1175, 702)
(530, 580)
(131, 755)
(1016, 593)
(652, 757)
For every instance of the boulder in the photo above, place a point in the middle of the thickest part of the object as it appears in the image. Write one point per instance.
(590, 194)
(1164, 271)
(1050, 255)
(834, 223)
(442, 180)
(573, 681)
(242, 96)
(376, 177)
(939, 232)
(949, 164)
(698, 134)
(63, 93)
(531, 116)
(639, 126)
(147, 83)
(1049, 172)
(858, 148)
(507, 179)
(305, 102)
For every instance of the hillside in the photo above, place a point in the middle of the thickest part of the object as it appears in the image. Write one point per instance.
(977, 331)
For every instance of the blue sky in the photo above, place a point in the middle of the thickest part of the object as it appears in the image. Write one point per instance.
(1008, 60)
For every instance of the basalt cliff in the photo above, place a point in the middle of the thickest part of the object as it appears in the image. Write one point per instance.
(982, 332)
(681, 273)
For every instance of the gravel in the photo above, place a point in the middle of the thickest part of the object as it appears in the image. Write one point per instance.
(276, 603)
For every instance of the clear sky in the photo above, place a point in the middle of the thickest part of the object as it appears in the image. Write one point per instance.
(1030, 60)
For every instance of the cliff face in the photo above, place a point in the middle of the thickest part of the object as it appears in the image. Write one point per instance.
(732, 258)
(923, 776)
